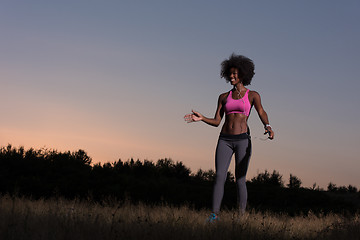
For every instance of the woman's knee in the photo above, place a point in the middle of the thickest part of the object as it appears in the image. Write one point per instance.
(220, 178)
(241, 181)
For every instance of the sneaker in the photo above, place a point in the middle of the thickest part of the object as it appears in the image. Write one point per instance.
(213, 218)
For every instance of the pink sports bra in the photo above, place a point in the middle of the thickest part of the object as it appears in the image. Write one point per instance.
(241, 106)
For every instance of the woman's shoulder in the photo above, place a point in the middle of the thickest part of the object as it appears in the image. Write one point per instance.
(254, 96)
(224, 95)
(253, 93)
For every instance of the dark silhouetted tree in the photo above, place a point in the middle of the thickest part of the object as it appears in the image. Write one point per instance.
(332, 187)
(294, 182)
(352, 189)
(274, 179)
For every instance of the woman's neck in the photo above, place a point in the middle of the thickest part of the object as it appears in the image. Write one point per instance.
(240, 87)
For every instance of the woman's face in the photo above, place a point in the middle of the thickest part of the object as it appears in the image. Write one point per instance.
(233, 76)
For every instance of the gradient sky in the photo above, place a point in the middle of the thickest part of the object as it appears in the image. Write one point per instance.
(115, 78)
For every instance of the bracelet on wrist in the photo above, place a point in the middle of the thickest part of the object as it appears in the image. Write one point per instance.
(267, 125)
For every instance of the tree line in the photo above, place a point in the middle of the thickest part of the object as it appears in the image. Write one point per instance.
(46, 173)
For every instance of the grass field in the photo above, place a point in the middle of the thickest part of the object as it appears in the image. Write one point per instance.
(22, 218)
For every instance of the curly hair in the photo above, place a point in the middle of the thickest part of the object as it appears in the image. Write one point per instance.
(244, 65)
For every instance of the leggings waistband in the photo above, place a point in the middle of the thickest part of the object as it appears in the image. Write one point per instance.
(234, 137)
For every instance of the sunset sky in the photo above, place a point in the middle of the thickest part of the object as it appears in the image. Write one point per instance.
(115, 78)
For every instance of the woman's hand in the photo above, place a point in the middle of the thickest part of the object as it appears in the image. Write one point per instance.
(193, 117)
(269, 131)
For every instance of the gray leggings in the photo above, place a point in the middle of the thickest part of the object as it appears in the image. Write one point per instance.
(226, 147)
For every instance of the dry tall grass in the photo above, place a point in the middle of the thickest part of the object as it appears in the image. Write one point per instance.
(22, 218)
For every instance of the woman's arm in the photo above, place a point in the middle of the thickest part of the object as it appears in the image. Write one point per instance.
(262, 114)
(196, 116)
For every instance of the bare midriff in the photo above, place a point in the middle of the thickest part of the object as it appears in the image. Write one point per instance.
(235, 123)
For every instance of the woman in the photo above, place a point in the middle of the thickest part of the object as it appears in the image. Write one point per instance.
(235, 135)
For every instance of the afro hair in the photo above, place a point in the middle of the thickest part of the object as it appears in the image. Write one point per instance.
(244, 65)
